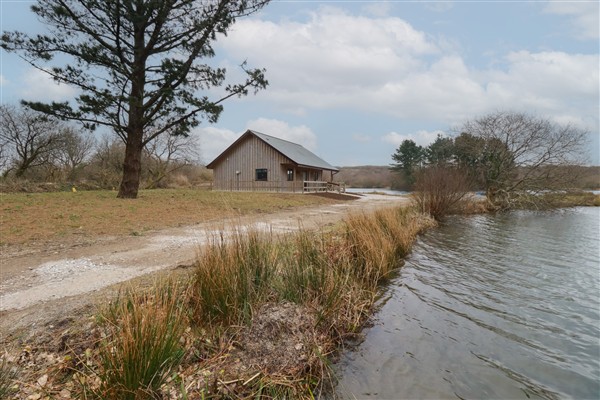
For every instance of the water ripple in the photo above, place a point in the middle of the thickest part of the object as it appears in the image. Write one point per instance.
(503, 306)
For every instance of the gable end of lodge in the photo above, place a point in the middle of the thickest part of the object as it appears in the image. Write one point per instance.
(259, 162)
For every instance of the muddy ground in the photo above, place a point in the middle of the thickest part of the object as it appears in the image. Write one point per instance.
(43, 285)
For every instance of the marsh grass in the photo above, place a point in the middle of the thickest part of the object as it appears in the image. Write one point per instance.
(334, 273)
(8, 374)
(231, 275)
(305, 267)
(568, 199)
(378, 241)
(142, 345)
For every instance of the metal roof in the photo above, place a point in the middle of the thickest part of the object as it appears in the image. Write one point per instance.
(293, 151)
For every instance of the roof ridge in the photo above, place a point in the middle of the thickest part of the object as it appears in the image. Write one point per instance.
(275, 137)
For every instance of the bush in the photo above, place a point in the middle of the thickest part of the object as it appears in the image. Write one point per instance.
(440, 190)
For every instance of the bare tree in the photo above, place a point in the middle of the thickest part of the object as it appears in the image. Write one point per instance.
(166, 154)
(73, 151)
(524, 155)
(4, 154)
(106, 164)
(29, 136)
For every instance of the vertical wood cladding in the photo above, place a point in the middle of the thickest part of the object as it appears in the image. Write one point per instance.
(237, 169)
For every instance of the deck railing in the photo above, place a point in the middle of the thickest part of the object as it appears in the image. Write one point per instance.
(315, 186)
(280, 186)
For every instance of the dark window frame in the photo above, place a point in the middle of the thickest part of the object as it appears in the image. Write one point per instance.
(261, 174)
(290, 174)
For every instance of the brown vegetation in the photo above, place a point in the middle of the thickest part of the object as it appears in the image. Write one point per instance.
(266, 315)
(371, 176)
(441, 190)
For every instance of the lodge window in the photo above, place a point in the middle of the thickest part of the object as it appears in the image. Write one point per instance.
(261, 174)
(290, 174)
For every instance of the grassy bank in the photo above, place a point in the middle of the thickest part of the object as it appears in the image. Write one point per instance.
(27, 217)
(572, 199)
(259, 316)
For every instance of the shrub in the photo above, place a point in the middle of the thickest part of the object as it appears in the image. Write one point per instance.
(440, 190)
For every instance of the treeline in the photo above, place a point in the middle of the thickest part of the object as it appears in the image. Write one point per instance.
(382, 176)
(38, 152)
(514, 157)
(371, 176)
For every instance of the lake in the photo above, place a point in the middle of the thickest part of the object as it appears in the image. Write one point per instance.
(488, 306)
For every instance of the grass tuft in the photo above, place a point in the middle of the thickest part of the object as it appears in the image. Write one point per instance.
(232, 274)
(142, 344)
(8, 374)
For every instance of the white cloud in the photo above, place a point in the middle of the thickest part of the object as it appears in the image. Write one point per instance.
(422, 138)
(3, 80)
(439, 6)
(214, 140)
(546, 82)
(382, 64)
(39, 86)
(298, 134)
(378, 9)
(332, 50)
(585, 16)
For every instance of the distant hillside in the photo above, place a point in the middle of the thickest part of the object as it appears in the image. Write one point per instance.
(370, 176)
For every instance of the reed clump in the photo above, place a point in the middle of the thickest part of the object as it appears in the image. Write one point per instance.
(142, 333)
(233, 273)
(8, 374)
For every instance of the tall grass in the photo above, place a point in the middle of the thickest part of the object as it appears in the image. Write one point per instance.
(7, 376)
(231, 275)
(142, 344)
(310, 271)
(378, 241)
(316, 268)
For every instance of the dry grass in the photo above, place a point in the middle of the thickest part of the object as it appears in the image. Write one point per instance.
(571, 199)
(58, 216)
(332, 276)
(142, 333)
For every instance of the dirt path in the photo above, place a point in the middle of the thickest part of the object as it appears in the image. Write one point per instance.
(42, 286)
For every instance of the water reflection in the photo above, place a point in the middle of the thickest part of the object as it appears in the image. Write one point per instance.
(502, 306)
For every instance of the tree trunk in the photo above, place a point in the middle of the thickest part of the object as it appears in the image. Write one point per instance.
(132, 167)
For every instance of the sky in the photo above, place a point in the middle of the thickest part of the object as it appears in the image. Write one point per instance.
(350, 80)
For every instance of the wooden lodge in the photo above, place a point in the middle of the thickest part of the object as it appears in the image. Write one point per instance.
(259, 162)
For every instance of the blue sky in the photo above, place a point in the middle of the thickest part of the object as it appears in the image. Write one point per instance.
(351, 80)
